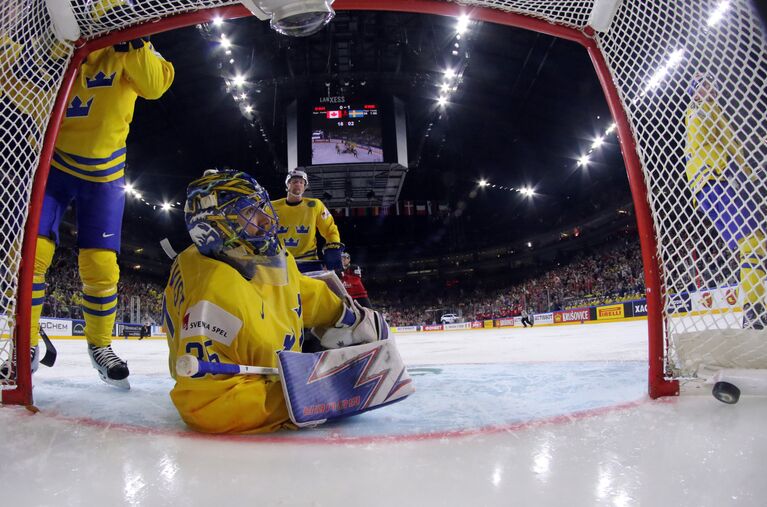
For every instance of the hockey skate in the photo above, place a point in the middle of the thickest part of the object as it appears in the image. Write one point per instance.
(6, 369)
(112, 369)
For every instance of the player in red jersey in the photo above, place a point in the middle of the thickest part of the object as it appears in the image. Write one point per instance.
(351, 276)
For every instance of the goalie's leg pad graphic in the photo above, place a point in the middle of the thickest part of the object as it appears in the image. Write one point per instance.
(342, 382)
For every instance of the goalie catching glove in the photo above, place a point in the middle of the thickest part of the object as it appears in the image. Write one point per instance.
(356, 325)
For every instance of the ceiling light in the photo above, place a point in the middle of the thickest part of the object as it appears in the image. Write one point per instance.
(463, 24)
(449, 73)
(483, 183)
(442, 100)
(248, 108)
(238, 80)
(225, 43)
(217, 21)
(597, 142)
(166, 206)
(584, 160)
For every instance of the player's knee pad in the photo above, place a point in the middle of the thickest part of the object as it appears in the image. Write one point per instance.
(98, 270)
(342, 382)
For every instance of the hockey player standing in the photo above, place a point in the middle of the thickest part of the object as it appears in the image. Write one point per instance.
(301, 218)
(235, 297)
(351, 277)
(723, 188)
(88, 168)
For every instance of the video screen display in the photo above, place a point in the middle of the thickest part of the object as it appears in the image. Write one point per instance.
(346, 134)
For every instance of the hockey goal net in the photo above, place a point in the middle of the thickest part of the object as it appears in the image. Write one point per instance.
(649, 57)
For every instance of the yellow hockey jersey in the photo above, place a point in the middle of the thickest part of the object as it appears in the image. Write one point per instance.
(711, 144)
(299, 223)
(91, 141)
(214, 313)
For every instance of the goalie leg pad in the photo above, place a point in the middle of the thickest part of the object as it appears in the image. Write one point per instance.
(342, 382)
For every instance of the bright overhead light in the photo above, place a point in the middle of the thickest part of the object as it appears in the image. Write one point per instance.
(243, 95)
(444, 87)
(225, 43)
(718, 13)
(483, 183)
(584, 160)
(449, 73)
(597, 142)
(442, 100)
(128, 188)
(137, 195)
(166, 206)
(217, 21)
(463, 24)
(231, 60)
(611, 128)
(248, 109)
(527, 191)
(238, 80)
(529, 244)
(673, 59)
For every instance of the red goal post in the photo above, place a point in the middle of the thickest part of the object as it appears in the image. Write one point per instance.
(645, 61)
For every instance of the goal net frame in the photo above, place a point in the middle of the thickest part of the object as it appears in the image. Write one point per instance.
(542, 17)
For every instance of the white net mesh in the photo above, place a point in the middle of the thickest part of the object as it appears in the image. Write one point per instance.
(703, 159)
(32, 63)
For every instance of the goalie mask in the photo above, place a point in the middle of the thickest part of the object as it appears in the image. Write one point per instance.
(229, 217)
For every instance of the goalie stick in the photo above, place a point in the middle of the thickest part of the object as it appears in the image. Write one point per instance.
(188, 366)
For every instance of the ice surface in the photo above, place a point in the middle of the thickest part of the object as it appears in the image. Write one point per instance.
(542, 416)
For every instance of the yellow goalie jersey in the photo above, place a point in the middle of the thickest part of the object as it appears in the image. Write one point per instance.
(711, 144)
(214, 313)
(299, 224)
(91, 141)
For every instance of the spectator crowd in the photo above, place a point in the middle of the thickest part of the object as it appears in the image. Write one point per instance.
(64, 291)
(613, 273)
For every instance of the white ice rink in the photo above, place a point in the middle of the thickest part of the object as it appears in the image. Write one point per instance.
(550, 416)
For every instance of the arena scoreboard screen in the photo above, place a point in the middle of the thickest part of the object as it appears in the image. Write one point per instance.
(349, 133)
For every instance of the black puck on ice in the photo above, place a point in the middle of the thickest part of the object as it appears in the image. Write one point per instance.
(726, 392)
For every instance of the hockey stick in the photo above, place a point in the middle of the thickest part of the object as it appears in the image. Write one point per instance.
(50, 351)
(188, 365)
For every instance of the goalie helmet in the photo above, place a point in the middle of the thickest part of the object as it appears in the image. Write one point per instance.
(297, 173)
(229, 214)
(702, 87)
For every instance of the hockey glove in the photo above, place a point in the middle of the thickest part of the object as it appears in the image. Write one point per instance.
(357, 325)
(332, 255)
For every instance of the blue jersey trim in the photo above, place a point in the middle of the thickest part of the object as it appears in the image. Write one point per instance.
(100, 173)
(95, 161)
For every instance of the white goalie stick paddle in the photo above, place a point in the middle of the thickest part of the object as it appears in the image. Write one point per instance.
(189, 366)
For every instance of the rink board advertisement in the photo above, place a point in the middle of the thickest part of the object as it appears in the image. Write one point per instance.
(575, 315)
(610, 312)
(56, 327)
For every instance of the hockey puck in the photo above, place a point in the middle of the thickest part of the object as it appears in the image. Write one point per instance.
(726, 392)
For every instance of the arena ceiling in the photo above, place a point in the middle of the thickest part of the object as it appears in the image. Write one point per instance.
(526, 107)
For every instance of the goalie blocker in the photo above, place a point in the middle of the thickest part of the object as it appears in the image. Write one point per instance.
(342, 382)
